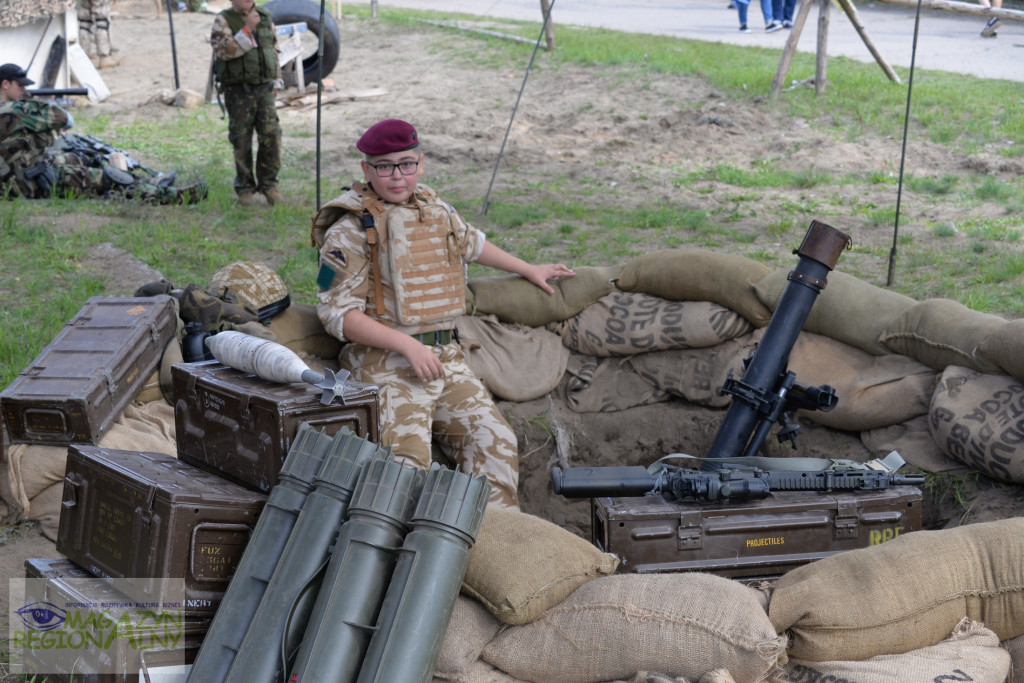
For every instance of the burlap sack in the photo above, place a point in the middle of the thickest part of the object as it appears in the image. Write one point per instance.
(913, 440)
(514, 299)
(941, 332)
(469, 630)
(298, 327)
(872, 391)
(627, 323)
(479, 672)
(679, 624)
(30, 468)
(604, 385)
(848, 309)
(46, 507)
(1015, 647)
(1004, 347)
(515, 362)
(972, 653)
(521, 565)
(696, 275)
(904, 594)
(697, 375)
(976, 419)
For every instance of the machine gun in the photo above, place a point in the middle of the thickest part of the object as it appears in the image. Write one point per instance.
(729, 482)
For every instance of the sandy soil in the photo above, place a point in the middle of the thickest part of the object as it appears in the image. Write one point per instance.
(607, 126)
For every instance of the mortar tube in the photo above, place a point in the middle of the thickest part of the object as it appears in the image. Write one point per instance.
(339, 629)
(819, 254)
(266, 543)
(284, 610)
(431, 566)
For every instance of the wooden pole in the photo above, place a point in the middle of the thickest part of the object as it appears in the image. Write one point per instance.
(790, 49)
(851, 11)
(821, 66)
(549, 29)
(963, 7)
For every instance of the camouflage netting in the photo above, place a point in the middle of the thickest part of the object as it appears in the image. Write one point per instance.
(20, 12)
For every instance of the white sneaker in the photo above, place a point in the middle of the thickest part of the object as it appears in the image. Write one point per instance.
(990, 28)
(773, 26)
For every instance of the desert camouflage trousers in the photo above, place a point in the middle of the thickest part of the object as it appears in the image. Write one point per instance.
(94, 27)
(251, 109)
(457, 411)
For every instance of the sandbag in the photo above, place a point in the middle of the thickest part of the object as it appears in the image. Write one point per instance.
(872, 391)
(942, 332)
(905, 594)
(913, 440)
(514, 299)
(520, 565)
(1015, 647)
(697, 275)
(515, 362)
(602, 385)
(627, 323)
(470, 628)
(680, 624)
(978, 419)
(697, 375)
(848, 309)
(1004, 347)
(479, 672)
(299, 328)
(971, 653)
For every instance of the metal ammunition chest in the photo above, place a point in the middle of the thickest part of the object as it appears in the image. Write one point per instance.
(241, 427)
(145, 517)
(749, 539)
(82, 380)
(68, 585)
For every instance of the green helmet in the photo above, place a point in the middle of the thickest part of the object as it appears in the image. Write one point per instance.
(254, 284)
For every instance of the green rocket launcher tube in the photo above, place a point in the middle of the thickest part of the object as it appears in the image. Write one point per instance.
(256, 566)
(346, 609)
(431, 567)
(284, 610)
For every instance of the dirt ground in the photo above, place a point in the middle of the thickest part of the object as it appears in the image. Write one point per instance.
(579, 123)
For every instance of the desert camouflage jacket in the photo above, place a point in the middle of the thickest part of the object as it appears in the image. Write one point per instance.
(417, 296)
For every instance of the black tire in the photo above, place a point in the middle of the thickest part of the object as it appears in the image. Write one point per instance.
(295, 11)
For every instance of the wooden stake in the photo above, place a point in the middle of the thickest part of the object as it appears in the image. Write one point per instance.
(549, 29)
(821, 66)
(791, 43)
(851, 11)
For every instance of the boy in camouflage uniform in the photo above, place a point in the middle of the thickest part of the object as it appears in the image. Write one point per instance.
(392, 279)
(246, 64)
(31, 167)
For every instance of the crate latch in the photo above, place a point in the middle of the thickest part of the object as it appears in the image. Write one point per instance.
(111, 383)
(154, 332)
(690, 534)
(847, 519)
(190, 386)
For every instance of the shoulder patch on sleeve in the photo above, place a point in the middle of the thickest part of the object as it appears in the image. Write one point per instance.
(325, 276)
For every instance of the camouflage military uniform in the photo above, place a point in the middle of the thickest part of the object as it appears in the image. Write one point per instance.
(456, 411)
(248, 70)
(94, 27)
(32, 166)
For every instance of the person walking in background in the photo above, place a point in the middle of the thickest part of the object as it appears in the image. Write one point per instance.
(770, 25)
(94, 32)
(248, 69)
(783, 10)
(993, 23)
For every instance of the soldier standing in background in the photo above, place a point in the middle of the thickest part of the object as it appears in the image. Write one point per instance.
(247, 67)
(34, 167)
(94, 32)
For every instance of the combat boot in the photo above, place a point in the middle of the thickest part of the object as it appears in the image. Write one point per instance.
(107, 61)
(247, 198)
(192, 194)
(273, 195)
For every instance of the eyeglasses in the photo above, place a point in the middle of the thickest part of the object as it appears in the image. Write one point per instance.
(387, 169)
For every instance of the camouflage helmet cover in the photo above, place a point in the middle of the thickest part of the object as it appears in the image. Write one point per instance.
(254, 284)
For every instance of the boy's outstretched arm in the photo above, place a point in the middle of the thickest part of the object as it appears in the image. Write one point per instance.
(496, 257)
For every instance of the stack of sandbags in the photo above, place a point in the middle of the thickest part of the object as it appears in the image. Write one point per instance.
(514, 299)
(906, 594)
(546, 607)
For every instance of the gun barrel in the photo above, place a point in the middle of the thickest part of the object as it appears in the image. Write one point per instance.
(58, 92)
(594, 482)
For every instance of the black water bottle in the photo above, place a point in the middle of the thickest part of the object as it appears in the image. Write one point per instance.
(193, 346)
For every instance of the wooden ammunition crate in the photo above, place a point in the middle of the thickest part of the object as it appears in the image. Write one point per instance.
(144, 517)
(82, 380)
(241, 427)
(68, 587)
(751, 539)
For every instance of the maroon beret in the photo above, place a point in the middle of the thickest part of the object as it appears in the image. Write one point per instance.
(390, 135)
